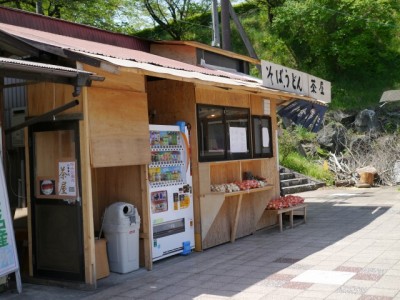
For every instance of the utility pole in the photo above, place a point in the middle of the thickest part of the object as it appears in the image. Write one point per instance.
(225, 24)
(39, 7)
(228, 12)
(216, 41)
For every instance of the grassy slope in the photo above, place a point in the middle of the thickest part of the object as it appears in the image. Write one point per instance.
(347, 94)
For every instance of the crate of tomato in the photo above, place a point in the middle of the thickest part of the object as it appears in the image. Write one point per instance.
(285, 201)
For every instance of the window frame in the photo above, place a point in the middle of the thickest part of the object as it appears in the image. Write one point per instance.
(266, 123)
(227, 155)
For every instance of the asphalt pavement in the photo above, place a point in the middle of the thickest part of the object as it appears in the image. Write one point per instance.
(349, 248)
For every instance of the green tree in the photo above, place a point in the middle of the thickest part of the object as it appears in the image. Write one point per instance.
(349, 42)
(173, 16)
(105, 14)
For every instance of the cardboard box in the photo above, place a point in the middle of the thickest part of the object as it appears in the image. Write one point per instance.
(102, 268)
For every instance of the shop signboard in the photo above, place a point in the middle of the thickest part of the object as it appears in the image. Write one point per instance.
(8, 251)
(290, 80)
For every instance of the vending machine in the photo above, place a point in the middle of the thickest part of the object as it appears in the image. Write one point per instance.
(170, 190)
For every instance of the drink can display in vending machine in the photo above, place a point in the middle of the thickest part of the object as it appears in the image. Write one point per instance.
(170, 184)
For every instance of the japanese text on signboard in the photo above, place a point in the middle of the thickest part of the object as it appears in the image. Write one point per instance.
(66, 178)
(8, 252)
(286, 79)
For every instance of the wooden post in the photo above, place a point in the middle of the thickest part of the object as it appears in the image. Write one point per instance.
(148, 257)
(87, 197)
(237, 214)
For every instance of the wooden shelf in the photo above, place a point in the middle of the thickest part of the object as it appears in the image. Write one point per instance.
(249, 191)
(228, 216)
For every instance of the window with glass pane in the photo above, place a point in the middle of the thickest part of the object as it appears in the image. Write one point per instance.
(262, 136)
(237, 126)
(211, 133)
(223, 133)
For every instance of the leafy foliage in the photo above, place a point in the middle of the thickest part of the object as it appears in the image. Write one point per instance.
(349, 42)
(172, 16)
(105, 14)
(301, 164)
(291, 139)
(289, 156)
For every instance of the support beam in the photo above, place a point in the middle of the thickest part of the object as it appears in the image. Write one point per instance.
(44, 117)
(243, 34)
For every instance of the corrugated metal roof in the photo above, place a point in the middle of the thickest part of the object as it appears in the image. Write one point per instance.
(65, 28)
(36, 37)
(191, 76)
(151, 64)
(23, 65)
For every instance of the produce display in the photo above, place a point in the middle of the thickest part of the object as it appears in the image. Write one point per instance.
(284, 202)
(225, 188)
(238, 186)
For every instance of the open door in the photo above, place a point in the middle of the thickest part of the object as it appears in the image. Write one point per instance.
(56, 204)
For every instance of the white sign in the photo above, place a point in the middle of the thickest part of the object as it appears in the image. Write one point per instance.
(238, 139)
(265, 137)
(319, 89)
(66, 178)
(267, 107)
(286, 79)
(8, 252)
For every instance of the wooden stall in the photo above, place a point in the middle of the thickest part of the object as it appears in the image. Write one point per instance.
(113, 153)
(219, 217)
(97, 152)
(112, 139)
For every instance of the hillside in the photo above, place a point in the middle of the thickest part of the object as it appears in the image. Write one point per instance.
(360, 68)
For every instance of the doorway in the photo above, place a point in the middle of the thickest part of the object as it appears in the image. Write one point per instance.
(56, 204)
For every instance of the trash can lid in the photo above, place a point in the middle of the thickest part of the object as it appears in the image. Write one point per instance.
(120, 213)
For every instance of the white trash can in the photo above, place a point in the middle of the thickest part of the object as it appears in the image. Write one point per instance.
(121, 226)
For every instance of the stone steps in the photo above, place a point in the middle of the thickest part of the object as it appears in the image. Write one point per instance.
(292, 182)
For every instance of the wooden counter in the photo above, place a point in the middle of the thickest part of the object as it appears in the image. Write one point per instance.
(228, 216)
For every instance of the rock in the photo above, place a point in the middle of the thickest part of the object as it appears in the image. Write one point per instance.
(307, 149)
(332, 137)
(343, 118)
(367, 121)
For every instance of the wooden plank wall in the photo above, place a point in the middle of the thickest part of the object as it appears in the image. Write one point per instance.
(115, 79)
(45, 96)
(119, 146)
(119, 132)
(115, 184)
(118, 184)
(183, 53)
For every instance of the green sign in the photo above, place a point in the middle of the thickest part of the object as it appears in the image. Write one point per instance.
(8, 251)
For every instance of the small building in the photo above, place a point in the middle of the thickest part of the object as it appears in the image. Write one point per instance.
(88, 96)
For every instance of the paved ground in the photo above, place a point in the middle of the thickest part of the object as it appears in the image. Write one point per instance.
(349, 249)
